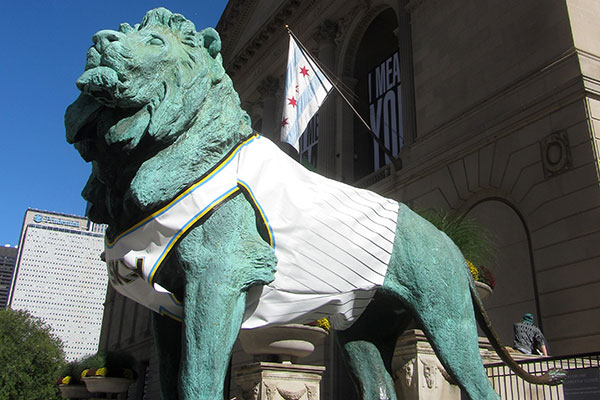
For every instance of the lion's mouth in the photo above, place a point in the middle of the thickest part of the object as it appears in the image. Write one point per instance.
(93, 132)
(101, 83)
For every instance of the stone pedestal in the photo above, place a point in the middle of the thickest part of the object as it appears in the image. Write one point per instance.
(417, 371)
(277, 381)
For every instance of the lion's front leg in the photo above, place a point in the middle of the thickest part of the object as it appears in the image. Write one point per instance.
(213, 317)
(221, 259)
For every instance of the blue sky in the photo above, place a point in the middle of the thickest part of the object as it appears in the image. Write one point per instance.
(43, 46)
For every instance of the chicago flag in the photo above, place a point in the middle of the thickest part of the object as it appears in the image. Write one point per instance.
(306, 87)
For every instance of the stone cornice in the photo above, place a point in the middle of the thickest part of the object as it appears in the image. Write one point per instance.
(590, 68)
(234, 19)
(276, 22)
(300, 15)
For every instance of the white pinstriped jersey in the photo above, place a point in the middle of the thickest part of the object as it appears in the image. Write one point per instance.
(333, 242)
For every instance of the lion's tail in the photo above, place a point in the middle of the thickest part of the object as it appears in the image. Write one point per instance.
(551, 377)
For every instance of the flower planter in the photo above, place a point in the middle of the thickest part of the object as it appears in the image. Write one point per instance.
(286, 341)
(72, 391)
(483, 290)
(106, 384)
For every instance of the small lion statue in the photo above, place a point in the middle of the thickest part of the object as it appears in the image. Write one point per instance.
(217, 230)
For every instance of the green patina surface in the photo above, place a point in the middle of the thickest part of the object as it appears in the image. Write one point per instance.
(157, 110)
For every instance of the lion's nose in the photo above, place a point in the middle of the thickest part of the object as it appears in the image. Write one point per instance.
(103, 38)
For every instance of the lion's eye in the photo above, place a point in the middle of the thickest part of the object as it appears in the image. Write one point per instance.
(156, 41)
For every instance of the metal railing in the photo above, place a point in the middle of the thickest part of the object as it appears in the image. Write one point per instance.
(510, 387)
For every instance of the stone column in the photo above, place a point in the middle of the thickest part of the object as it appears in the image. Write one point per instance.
(345, 137)
(268, 89)
(277, 381)
(326, 158)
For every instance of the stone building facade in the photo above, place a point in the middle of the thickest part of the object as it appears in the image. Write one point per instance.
(497, 116)
(493, 109)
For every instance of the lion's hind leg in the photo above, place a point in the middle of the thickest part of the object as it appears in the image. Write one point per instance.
(368, 347)
(167, 338)
(428, 274)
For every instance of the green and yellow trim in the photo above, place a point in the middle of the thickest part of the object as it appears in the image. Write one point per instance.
(259, 209)
(198, 217)
(209, 175)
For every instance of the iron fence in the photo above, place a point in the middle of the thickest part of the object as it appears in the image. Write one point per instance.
(509, 386)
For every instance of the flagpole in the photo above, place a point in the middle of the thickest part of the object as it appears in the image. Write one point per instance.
(307, 54)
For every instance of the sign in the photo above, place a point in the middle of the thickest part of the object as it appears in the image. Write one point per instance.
(58, 220)
(47, 219)
(385, 108)
(582, 384)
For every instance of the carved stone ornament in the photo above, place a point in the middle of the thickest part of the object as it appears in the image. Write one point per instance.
(327, 31)
(429, 373)
(556, 153)
(406, 372)
(250, 393)
(270, 391)
(291, 394)
(268, 87)
(312, 392)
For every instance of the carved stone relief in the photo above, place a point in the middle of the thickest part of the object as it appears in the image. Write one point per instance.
(248, 393)
(312, 392)
(406, 372)
(270, 391)
(291, 394)
(556, 153)
(281, 390)
(268, 87)
(327, 30)
(429, 373)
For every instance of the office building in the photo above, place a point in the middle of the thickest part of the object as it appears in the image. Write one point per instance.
(8, 255)
(60, 278)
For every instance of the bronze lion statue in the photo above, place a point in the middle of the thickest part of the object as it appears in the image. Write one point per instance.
(215, 229)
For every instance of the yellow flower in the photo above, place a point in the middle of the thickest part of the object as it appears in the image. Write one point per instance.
(66, 380)
(84, 372)
(324, 323)
(473, 270)
(101, 372)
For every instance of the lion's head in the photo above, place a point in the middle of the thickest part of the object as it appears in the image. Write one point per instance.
(142, 89)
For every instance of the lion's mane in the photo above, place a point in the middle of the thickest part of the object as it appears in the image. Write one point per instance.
(156, 111)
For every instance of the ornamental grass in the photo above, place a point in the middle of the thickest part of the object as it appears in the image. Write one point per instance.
(475, 241)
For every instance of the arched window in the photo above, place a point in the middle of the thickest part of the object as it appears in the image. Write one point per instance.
(516, 288)
(383, 74)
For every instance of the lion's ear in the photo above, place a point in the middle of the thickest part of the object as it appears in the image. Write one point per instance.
(212, 41)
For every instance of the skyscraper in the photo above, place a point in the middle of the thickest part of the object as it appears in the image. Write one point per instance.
(8, 255)
(60, 278)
